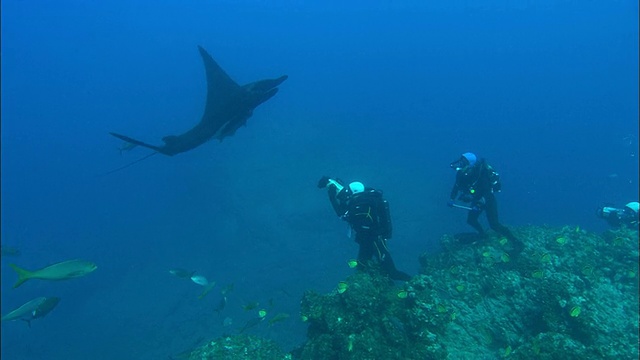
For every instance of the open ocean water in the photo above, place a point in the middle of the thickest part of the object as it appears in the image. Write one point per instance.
(384, 92)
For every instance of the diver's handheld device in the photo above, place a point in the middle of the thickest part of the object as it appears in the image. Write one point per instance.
(336, 184)
(461, 207)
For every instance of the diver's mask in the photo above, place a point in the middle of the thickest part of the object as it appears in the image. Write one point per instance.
(459, 164)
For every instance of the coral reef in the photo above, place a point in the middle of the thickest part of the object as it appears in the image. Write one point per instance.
(238, 347)
(569, 295)
(372, 319)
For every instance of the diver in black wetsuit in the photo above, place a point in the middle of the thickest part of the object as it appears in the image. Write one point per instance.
(476, 181)
(367, 213)
(617, 218)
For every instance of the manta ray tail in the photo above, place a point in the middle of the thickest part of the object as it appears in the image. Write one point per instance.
(129, 164)
(137, 142)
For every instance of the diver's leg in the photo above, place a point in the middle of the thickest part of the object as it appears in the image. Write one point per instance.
(387, 262)
(491, 207)
(367, 248)
(494, 223)
(472, 219)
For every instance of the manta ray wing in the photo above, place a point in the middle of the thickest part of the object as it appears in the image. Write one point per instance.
(221, 89)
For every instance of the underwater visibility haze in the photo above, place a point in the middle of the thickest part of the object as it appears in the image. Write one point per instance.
(229, 250)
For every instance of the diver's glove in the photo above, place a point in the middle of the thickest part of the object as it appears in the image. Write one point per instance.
(323, 182)
(450, 203)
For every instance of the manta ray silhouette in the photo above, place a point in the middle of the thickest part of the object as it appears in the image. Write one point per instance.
(228, 107)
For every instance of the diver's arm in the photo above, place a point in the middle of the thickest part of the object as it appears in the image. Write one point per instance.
(334, 188)
(454, 190)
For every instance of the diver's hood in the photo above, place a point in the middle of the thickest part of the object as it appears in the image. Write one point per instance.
(633, 206)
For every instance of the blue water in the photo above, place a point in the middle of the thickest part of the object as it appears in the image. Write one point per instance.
(388, 93)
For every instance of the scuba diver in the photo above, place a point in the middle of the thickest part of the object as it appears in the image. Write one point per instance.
(367, 213)
(617, 218)
(477, 181)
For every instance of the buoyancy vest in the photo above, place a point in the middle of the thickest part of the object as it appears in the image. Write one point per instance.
(369, 213)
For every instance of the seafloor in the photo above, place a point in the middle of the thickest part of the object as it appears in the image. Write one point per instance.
(570, 294)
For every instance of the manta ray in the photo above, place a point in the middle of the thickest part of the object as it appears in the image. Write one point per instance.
(228, 107)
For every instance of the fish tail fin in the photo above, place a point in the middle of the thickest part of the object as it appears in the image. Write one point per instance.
(23, 275)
